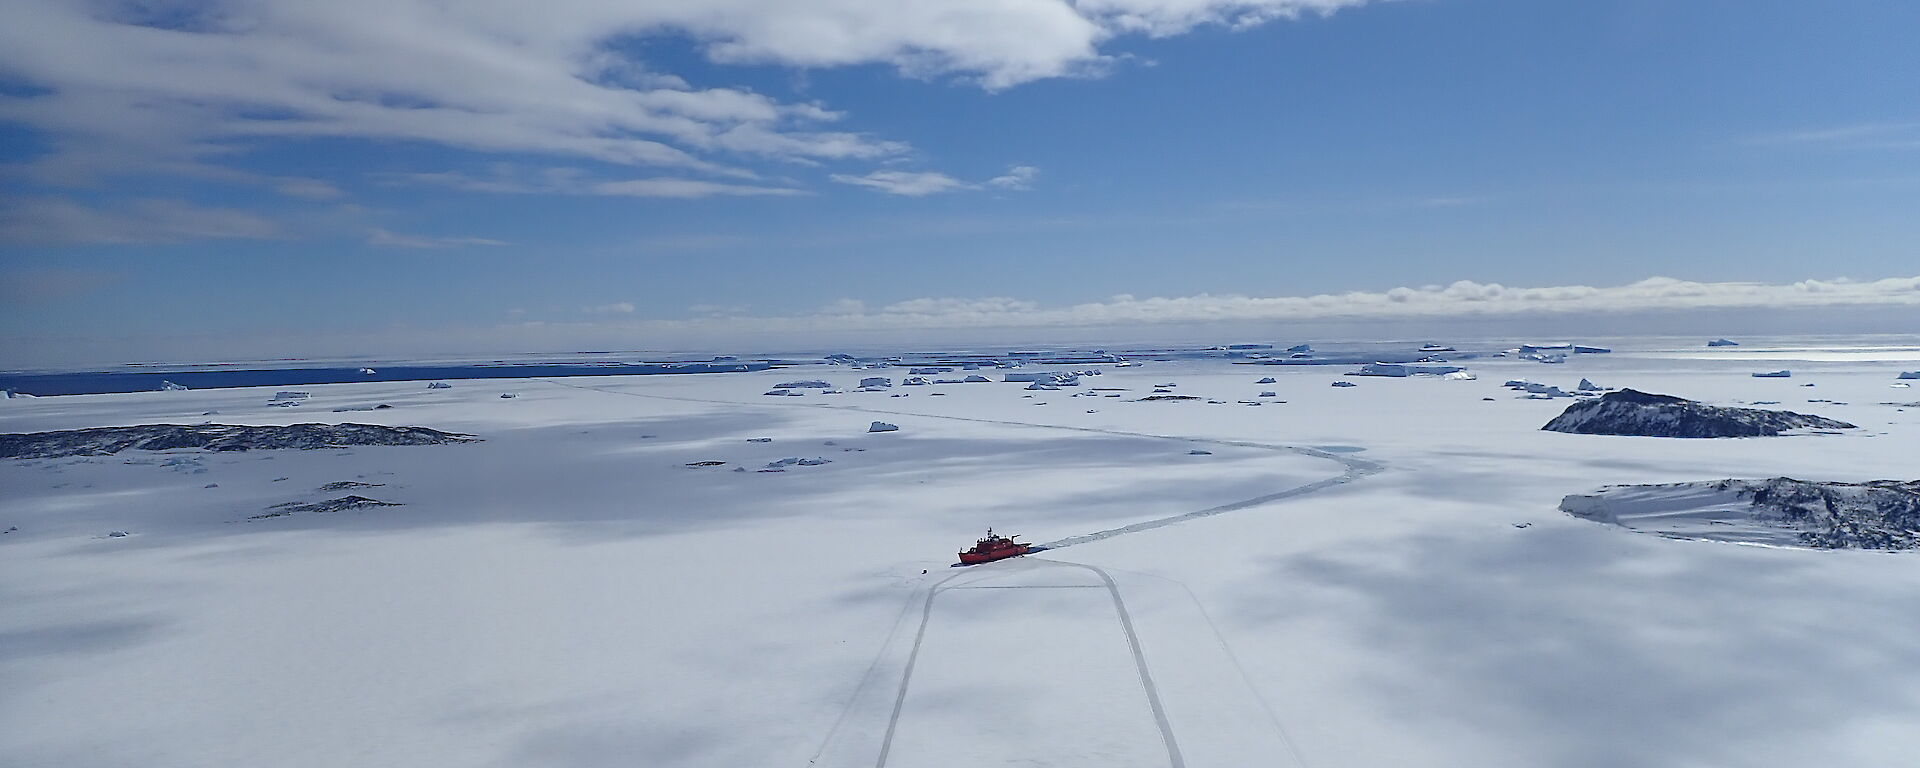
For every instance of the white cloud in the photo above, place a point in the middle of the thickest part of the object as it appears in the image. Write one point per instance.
(1884, 135)
(1017, 177)
(383, 237)
(59, 221)
(616, 308)
(508, 179)
(307, 189)
(170, 86)
(905, 183)
(685, 188)
(923, 183)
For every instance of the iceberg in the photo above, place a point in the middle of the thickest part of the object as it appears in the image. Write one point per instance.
(1723, 343)
(1267, 380)
(1908, 375)
(168, 386)
(881, 426)
(1588, 386)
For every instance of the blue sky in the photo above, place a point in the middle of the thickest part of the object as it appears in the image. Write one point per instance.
(229, 179)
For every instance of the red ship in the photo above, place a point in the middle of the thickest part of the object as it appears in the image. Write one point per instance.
(993, 547)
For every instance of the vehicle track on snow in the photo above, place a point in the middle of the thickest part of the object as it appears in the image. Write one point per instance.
(1152, 692)
(1355, 468)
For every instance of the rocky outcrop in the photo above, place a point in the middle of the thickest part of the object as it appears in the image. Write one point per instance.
(1882, 514)
(103, 441)
(1631, 412)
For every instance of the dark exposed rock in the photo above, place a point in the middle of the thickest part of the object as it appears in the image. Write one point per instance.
(1881, 514)
(103, 441)
(343, 485)
(1631, 412)
(330, 505)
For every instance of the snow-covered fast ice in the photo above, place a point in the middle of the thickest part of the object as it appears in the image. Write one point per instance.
(1363, 576)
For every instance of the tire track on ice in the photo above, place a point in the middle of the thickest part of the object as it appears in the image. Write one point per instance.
(1152, 692)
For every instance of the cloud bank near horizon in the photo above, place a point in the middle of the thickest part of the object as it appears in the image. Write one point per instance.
(1461, 299)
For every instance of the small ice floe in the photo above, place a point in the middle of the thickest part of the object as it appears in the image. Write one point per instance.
(708, 463)
(1900, 385)
(1163, 391)
(876, 382)
(1043, 385)
(1459, 376)
(117, 534)
(1723, 343)
(1199, 452)
(211, 485)
(346, 408)
(168, 386)
(1269, 394)
(915, 381)
(1267, 380)
(1090, 410)
(508, 395)
(976, 379)
(1780, 374)
(367, 371)
(1168, 384)
(1345, 384)
(881, 426)
(759, 439)
(438, 385)
(807, 384)
(283, 395)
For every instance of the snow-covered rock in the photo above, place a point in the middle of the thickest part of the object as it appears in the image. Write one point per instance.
(1883, 514)
(881, 426)
(104, 441)
(1630, 412)
(1782, 374)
